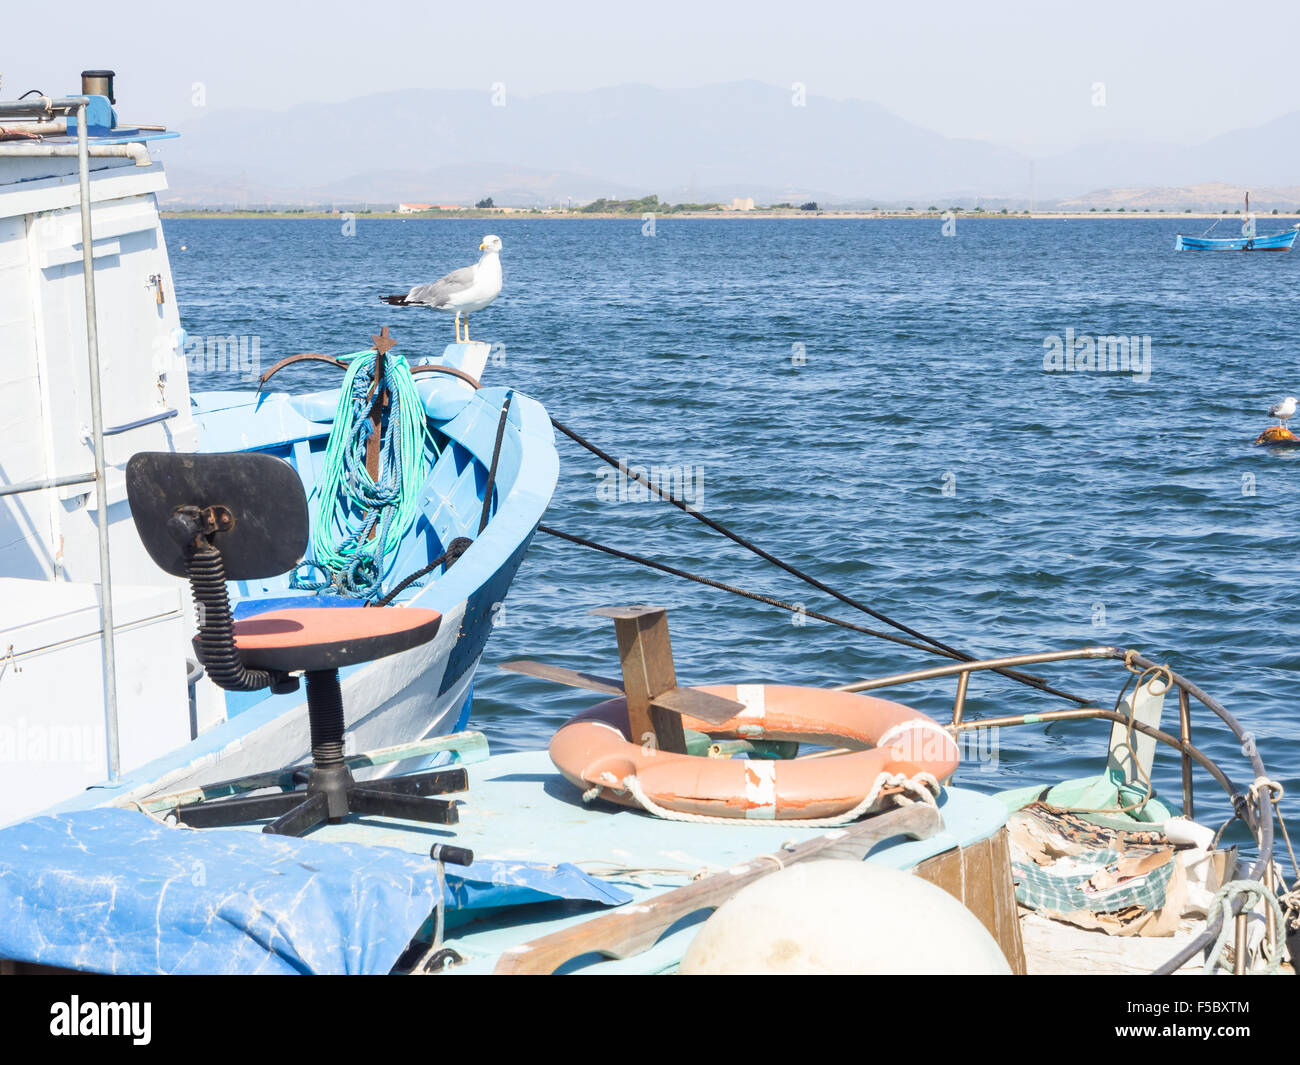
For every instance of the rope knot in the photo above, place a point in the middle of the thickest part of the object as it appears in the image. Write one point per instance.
(1274, 789)
(1251, 893)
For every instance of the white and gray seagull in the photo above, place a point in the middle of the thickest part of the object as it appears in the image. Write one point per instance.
(1283, 411)
(463, 291)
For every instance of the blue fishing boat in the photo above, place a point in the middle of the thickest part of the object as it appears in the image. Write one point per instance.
(425, 485)
(1248, 241)
(1272, 242)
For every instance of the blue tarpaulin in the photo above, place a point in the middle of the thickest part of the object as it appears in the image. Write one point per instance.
(113, 890)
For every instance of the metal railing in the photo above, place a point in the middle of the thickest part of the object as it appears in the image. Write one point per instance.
(1255, 812)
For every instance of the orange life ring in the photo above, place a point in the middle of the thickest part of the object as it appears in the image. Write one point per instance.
(894, 748)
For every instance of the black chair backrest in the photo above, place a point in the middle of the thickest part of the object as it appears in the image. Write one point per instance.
(262, 493)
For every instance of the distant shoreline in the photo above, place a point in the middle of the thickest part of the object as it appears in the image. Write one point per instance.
(665, 216)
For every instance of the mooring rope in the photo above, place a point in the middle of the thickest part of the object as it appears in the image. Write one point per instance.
(1251, 893)
(698, 578)
(931, 644)
(458, 547)
(490, 487)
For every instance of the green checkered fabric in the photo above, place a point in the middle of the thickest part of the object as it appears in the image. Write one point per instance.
(1060, 888)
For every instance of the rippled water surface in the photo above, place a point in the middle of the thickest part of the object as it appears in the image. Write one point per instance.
(920, 459)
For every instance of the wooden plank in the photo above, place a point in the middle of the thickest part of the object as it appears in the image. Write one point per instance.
(1132, 755)
(379, 405)
(977, 872)
(945, 871)
(559, 675)
(646, 655)
(711, 708)
(623, 933)
(979, 876)
(1006, 909)
(374, 443)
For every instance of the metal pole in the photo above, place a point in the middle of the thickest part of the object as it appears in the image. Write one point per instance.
(137, 153)
(1084, 713)
(97, 442)
(989, 663)
(959, 703)
(47, 482)
(1185, 734)
(1270, 918)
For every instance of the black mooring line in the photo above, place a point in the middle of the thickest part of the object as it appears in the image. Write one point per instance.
(933, 644)
(496, 455)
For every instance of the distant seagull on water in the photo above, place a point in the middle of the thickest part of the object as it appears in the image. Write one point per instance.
(463, 291)
(1283, 411)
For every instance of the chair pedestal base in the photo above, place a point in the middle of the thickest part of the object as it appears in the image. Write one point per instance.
(330, 795)
(330, 792)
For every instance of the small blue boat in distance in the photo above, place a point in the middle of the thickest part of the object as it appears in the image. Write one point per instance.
(1273, 242)
(1248, 241)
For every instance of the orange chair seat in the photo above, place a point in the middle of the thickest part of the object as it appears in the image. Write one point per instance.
(331, 637)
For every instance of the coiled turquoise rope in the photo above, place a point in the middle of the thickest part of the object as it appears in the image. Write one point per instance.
(349, 503)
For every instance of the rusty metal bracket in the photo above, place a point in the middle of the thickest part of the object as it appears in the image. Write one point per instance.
(309, 356)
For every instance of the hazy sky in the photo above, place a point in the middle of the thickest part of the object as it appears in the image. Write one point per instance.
(1014, 72)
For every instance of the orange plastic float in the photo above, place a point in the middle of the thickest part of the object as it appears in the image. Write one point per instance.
(893, 749)
(1277, 436)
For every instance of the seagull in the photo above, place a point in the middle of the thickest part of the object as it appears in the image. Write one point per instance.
(1283, 411)
(471, 288)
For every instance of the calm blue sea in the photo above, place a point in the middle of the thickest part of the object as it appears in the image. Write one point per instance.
(868, 400)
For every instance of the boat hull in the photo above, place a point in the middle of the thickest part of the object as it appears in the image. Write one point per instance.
(1274, 242)
(414, 695)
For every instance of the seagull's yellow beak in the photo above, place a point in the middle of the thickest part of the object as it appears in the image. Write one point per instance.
(482, 247)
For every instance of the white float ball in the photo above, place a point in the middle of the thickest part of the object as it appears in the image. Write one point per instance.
(841, 917)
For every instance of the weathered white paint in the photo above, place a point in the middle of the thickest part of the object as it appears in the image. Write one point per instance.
(52, 736)
(754, 697)
(760, 789)
(48, 538)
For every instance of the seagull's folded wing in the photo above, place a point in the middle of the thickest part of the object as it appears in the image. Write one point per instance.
(436, 293)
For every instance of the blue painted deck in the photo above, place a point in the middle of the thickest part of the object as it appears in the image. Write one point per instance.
(519, 808)
(370, 885)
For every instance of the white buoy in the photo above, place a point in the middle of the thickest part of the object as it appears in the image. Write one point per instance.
(842, 917)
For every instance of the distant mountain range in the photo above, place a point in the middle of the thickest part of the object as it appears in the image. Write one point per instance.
(698, 145)
(1210, 196)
